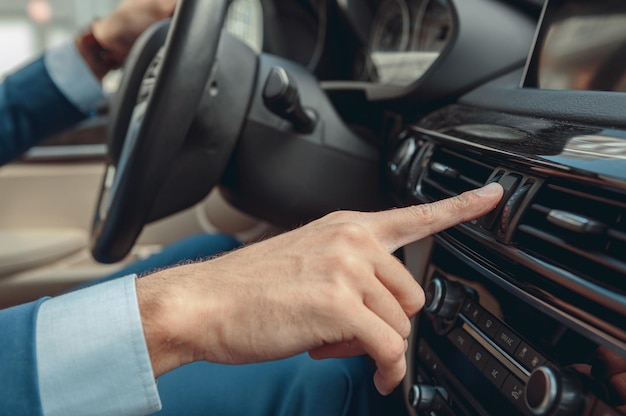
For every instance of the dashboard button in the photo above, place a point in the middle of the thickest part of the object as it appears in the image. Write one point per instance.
(529, 358)
(513, 389)
(488, 324)
(462, 340)
(479, 356)
(507, 339)
(428, 358)
(472, 310)
(495, 372)
(509, 183)
(512, 206)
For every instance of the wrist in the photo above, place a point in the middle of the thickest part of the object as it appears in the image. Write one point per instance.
(161, 310)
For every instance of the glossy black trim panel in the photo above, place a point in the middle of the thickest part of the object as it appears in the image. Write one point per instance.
(589, 154)
(550, 153)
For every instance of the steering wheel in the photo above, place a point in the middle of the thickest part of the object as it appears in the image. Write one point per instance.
(162, 114)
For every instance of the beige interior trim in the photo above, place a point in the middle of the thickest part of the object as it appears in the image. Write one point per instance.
(25, 249)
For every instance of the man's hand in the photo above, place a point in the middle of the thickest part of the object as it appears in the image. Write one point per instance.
(331, 288)
(118, 31)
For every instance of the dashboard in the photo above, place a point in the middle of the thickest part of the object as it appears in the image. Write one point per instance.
(525, 308)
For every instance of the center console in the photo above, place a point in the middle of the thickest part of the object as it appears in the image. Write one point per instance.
(525, 309)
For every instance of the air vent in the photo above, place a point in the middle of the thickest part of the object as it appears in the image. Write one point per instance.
(449, 173)
(578, 231)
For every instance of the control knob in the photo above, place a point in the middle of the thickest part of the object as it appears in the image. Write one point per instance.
(554, 392)
(443, 298)
(428, 398)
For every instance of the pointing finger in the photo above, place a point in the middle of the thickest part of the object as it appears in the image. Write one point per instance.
(402, 226)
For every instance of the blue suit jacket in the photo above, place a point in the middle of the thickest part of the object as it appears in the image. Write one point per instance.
(31, 108)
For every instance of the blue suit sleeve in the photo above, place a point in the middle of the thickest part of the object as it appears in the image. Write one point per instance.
(19, 392)
(32, 108)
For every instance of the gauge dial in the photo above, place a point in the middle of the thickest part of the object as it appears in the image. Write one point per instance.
(407, 37)
(435, 27)
(391, 27)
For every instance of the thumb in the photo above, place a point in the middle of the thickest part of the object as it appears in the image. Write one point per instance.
(402, 226)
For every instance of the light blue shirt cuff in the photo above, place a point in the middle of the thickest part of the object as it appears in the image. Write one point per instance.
(92, 354)
(73, 77)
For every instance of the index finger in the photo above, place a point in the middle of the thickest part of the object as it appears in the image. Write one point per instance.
(399, 227)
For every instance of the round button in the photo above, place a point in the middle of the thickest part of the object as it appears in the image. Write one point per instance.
(443, 298)
(554, 392)
(424, 397)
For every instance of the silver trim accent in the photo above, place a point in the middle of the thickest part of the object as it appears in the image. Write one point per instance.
(437, 296)
(574, 222)
(502, 356)
(416, 395)
(444, 170)
(551, 393)
(81, 151)
(534, 45)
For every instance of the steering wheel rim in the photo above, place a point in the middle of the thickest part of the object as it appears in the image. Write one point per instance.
(157, 129)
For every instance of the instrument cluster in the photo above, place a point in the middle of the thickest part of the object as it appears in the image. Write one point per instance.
(406, 38)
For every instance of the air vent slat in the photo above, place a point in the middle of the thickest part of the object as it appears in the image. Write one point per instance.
(540, 208)
(473, 183)
(607, 261)
(618, 235)
(579, 229)
(450, 173)
(441, 189)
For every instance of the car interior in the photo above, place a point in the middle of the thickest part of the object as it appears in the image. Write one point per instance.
(252, 117)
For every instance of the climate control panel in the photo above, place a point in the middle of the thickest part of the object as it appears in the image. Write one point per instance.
(479, 348)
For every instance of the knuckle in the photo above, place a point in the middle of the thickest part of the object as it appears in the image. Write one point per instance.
(395, 350)
(343, 263)
(349, 232)
(416, 301)
(463, 201)
(336, 298)
(339, 216)
(405, 332)
(425, 214)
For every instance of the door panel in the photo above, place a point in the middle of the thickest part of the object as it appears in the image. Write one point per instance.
(45, 217)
